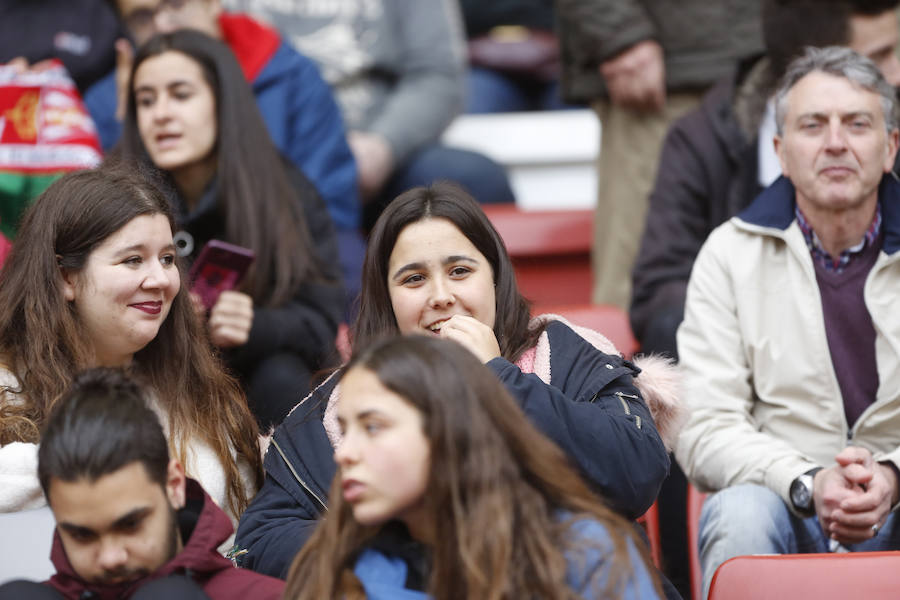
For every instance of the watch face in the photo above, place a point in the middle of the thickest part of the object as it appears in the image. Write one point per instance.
(800, 494)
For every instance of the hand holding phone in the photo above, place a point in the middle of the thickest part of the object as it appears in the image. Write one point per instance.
(220, 267)
(231, 319)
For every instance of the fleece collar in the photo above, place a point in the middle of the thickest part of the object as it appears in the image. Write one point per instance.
(774, 209)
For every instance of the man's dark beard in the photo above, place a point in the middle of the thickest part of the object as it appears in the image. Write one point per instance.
(125, 575)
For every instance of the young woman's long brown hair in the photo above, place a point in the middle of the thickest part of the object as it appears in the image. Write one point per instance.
(496, 492)
(448, 201)
(44, 345)
(255, 196)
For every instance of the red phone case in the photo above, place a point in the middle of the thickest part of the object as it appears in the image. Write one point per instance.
(220, 267)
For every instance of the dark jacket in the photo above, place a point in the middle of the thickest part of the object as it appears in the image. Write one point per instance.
(307, 324)
(81, 33)
(199, 558)
(702, 39)
(591, 409)
(296, 105)
(707, 174)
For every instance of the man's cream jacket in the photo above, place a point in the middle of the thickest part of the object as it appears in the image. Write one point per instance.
(764, 398)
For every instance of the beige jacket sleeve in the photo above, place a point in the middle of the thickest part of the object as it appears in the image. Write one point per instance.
(721, 445)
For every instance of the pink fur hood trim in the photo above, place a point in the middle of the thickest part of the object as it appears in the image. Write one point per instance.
(659, 381)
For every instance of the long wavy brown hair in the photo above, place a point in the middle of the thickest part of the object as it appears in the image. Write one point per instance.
(442, 200)
(501, 497)
(44, 345)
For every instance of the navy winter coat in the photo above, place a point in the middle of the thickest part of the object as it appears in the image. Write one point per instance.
(591, 409)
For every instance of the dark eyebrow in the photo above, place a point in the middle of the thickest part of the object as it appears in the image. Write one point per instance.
(134, 515)
(416, 266)
(373, 414)
(880, 52)
(170, 85)
(76, 530)
(181, 82)
(459, 258)
(141, 247)
(362, 415)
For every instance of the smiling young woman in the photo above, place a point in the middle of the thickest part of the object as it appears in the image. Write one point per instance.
(125, 290)
(439, 282)
(92, 280)
(435, 266)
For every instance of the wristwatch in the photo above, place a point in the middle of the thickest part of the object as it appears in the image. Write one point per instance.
(802, 493)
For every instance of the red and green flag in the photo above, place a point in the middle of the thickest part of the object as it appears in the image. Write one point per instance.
(45, 131)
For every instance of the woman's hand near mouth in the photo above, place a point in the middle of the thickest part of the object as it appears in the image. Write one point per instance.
(474, 335)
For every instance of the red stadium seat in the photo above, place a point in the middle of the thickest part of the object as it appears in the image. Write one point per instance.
(607, 319)
(650, 521)
(866, 575)
(695, 501)
(550, 250)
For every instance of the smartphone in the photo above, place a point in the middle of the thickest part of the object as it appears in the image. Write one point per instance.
(220, 267)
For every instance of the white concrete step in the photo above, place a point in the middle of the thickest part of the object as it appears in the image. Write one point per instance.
(550, 156)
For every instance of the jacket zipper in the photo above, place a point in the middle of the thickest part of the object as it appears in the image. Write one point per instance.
(296, 476)
(622, 396)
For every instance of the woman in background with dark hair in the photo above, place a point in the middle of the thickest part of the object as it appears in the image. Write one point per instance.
(191, 114)
(435, 266)
(445, 490)
(92, 281)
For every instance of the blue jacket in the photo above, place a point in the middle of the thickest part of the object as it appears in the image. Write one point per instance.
(384, 576)
(299, 111)
(591, 409)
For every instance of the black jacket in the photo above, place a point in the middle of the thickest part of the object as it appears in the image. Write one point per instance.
(591, 409)
(307, 324)
(707, 174)
(80, 33)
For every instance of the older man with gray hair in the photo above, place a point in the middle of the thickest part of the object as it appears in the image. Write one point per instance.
(791, 337)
